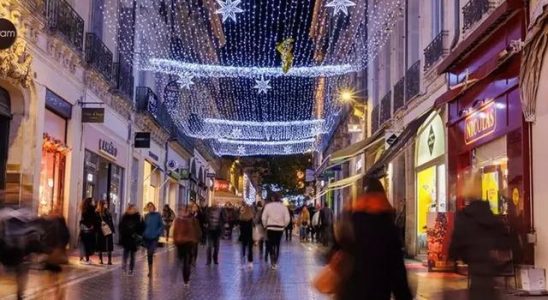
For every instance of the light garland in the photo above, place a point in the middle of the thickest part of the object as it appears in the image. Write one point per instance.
(219, 64)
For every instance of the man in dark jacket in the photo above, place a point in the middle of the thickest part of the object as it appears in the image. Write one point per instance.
(326, 224)
(369, 241)
(215, 219)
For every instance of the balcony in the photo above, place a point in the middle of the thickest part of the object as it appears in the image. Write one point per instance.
(149, 103)
(386, 108)
(412, 81)
(123, 77)
(399, 94)
(61, 18)
(474, 11)
(375, 119)
(99, 56)
(436, 50)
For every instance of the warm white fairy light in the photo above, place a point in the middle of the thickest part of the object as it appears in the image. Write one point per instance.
(340, 6)
(229, 9)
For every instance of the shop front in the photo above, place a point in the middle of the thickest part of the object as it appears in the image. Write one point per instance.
(177, 193)
(105, 159)
(54, 154)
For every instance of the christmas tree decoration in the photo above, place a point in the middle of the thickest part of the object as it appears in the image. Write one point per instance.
(285, 49)
(229, 9)
(340, 6)
(262, 85)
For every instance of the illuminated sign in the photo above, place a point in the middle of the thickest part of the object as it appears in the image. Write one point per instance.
(108, 148)
(480, 123)
(221, 185)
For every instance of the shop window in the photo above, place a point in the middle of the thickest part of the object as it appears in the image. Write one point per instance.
(151, 185)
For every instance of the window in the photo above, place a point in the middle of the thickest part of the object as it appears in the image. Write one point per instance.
(437, 17)
(413, 32)
(97, 18)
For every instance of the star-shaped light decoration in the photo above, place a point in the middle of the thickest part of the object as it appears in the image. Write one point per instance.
(186, 81)
(287, 149)
(340, 6)
(241, 150)
(229, 9)
(262, 85)
(236, 133)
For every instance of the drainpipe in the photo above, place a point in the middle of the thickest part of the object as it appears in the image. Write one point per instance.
(456, 35)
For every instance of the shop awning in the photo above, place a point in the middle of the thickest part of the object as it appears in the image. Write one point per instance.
(347, 153)
(344, 182)
(224, 197)
(378, 169)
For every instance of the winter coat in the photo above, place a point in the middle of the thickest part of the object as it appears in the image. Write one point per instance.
(154, 226)
(131, 229)
(373, 246)
(304, 217)
(477, 233)
(326, 217)
(215, 218)
(246, 213)
(88, 229)
(168, 215)
(186, 230)
(291, 215)
(104, 243)
(275, 216)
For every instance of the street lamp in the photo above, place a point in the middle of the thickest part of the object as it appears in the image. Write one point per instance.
(347, 96)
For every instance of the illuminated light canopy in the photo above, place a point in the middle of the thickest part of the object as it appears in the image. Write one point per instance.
(218, 71)
(215, 61)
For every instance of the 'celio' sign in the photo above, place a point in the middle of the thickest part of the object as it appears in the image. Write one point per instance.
(480, 123)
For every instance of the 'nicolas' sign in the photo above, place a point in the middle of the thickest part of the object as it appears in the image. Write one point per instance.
(480, 123)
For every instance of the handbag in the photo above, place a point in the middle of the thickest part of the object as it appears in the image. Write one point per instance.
(105, 228)
(329, 279)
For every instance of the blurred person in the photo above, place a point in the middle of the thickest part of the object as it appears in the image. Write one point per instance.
(105, 232)
(304, 221)
(168, 215)
(367, 251)
(215, 218)
(314, 226)
(311, 232)
(258, 230)
(326, 224)
(185, 236)
(154, 227)
(131, 229)
(289, 228)
(88, 229)
(197, 218)
(246, 232)
(275, 218)
(479, 239)
(56, 239)
(202, 218)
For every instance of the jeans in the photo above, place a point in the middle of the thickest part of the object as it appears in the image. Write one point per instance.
(303, 232)
(131, 255)
(184, 253)
(288, 233)
(213, 237)
(274, 239)
(151, 246)
(194, 255)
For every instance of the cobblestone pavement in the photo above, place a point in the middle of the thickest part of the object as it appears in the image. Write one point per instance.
(229, 280)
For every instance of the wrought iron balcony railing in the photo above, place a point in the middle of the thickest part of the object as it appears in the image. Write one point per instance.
(148, 102)
(375, 119)
(412, 81)
(123, 77)
(63, 19)
(386, 108)
(436, 50)
(474, 11)
(99, 56)
(399, 94)
(181, 138)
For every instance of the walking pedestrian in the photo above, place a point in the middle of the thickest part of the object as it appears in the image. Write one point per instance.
(326, 224)
(367, 251)
(131, 229)
(258, 230)
(275, 218)
(304, 221)
(197, 219)
(215, 218)
(185, 237)
(246, 232)
(105, 225)
(315, 227)
(289, 228)
(168, 215)
(88, 229)
(154, 227)
(480, 240)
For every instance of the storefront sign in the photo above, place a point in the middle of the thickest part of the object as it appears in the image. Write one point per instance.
(58, 105)
(142, 140)
(93, 115)
(210, 175)
(108, 148)
(8, 33)
(480, 123)
(184, 174)
(221, 185)
(153, 155)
